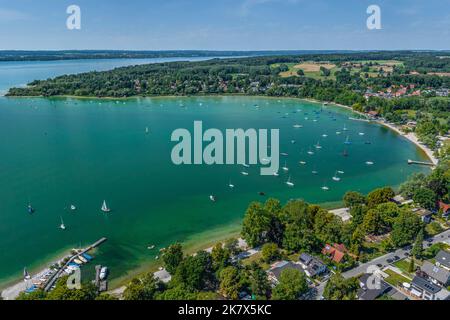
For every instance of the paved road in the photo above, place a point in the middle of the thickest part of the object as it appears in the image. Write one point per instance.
(442, 237)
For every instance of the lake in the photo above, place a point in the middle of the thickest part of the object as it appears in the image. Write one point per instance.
(57, 152)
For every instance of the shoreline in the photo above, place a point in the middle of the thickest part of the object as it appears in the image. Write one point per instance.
(195, 242)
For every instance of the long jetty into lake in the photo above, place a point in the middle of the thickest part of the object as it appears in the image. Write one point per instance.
(422, 163)
(55, 277)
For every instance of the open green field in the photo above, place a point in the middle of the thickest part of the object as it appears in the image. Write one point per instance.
(394, 278)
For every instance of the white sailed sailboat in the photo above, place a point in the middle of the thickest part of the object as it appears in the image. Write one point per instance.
(26, 275)
(289, 182)
(62, 226)
(335, 177)
(105, 207)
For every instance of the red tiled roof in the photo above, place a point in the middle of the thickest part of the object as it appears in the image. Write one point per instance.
(445, 207)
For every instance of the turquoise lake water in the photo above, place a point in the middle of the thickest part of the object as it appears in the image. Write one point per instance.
(57, 152)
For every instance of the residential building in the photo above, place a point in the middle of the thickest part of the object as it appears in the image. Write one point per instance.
(369, 289)
(276, 269)
(423, 289)
(424, 214)
(437, 275)
(445, 208)
(335, 252)
(311, 265)
(443, 259)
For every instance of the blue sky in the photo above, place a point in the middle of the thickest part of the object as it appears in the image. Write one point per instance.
(225, 24)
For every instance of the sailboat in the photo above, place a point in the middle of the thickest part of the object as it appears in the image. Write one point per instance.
(369, 163)
(325, 188)
(318, 146)
(62, 226)
(26, 275)
(345, 153)
(302, 163)
(244, 173)
(341, 172)
(289, 182)
(147, 130)
(345, 128)
(231, 185)
(335, 177)
(338, 132)
(324, 135)
(285, 168)
(105, 207)
(310, 152)
(297, 126)
(72, 207)
(276, 174)
(347, 140)
(212, 198)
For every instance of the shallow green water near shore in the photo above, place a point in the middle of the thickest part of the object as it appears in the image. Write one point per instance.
(57, 152)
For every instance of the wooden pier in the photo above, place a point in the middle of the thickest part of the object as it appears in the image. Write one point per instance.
(422, 163)
(51, 281)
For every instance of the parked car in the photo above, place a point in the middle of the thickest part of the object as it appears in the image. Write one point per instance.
(390, 260)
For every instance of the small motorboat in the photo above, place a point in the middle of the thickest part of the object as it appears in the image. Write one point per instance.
(72, 207)
(244, 173)
(212, 198)
(302, 163)
(151, 247)
(370, 163)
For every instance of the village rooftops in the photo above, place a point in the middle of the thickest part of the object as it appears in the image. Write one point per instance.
(312, 265)
(438, 274)
(364, 293)
(443, 259)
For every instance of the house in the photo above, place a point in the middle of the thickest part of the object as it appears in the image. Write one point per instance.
(443, 260)
(437, 275)
(311, 265)
(370, 290)
(335, 252)
(424, 214)
(373, 114)
(423, 289)
(400, 200)
(445, 208)
(275, 271)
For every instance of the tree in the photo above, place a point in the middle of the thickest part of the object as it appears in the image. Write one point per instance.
(291, 286)
(62, 291)
(230, 282)
(232, 245)
(194, 273)
(258, 281)
(256, 225)
(417, 249)
(270, 252)
(426, 198)
(105, 296)
(338, 288)
(372, 222)
(405, 228)
(300, 72)
(177, 293)
(414, 183)
(352, 199)
(172, 257)
(220, 257)
(143, 288)
(412, 266)
(379, 196)
(388, 212)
